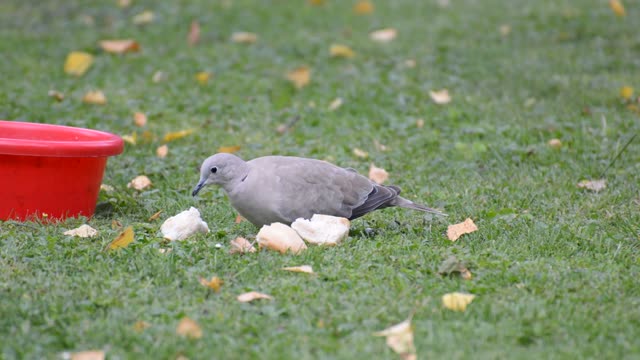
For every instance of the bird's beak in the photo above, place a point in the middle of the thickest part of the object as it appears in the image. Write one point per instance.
(198, 187)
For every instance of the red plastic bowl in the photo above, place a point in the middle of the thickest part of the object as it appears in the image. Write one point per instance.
(51, 171)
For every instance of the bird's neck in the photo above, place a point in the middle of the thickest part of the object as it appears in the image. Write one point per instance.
(241, 173)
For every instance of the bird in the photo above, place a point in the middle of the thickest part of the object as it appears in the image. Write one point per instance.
(282, 189)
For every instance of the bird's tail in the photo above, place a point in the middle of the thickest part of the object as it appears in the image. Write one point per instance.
(408, 204)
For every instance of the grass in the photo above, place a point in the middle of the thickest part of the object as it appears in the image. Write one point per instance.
(555, 267)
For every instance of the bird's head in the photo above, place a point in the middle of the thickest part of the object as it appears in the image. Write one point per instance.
(220, 169)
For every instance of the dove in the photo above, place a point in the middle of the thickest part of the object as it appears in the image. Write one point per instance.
(282, 189)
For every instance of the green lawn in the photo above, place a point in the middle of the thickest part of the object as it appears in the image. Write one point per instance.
(555, 267)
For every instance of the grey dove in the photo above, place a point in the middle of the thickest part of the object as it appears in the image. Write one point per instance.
(283, 188)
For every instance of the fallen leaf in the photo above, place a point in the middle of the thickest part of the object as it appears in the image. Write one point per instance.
(143, 18)
(626, 92)
(120, 46)
(140, 182)
(184, 225)
(322, 229)
(78, 63)
(241, 245)
(555, 143)
(125, 238)
(106, 188)
(378, 175)
(505, 30)
(243, 37)
(189, 328)
(155, 216)
(281, 238)
(593, 185)
(139, 119)
(115, 224)
(194, 33)
(171, 136)
(379, 146)
(253, 295)
(444, 3)
(360, 153)
(454, 266)
(342, 51)
(88, 355)
(410, 63)
(56, 95)
(457, 301)
(131, 139)
(82, 231)
(165, 251)
(457, 230)
(302, 268)
(363, 7)
(96, 97)
(124, 3)
(383, 35)
(420, 123)
(215, 283)
(440, 97)
(239, 219)
(300, 76)
(159, 76)
(400, 339)
(140, 326)
(162, 151)
(335, 104)
(229, 149)
(617, 7)
(316, 2)
(203, 77)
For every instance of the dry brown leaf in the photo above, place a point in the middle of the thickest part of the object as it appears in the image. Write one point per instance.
(82, 231)
(123, 240)
(593, 185)
(96, 97)
(555, 143)
(302, 268)
(505, 30)
(253, 295)
(77, 63)
(440, 97)
(239, 219)
(189, 328)
(378, 175)
(162, 151)
(457, 301)
(383, 35)
(56, 95)
(171, 136)
(140, 326)
(300, 76)
(457, 230)
(120, 46)
(203, 77)
(194, 33)
(363, 7)
(626, 92)
(229, 149)
(115, 224)
(215, 283)
(342, 51)
(335, 104)
(243, 37)
(140, 182)
(454, 266)
(155, 216)
(400, 339)
(617, 7)
(241, 245)
(144, 18)
(281, 238)
(139, 119)
(360, 153)
(88, 355)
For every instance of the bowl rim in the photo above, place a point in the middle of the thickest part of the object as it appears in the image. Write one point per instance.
(92, 143)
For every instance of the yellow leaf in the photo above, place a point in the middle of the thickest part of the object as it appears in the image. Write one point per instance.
(363, 7)
(505, 30)
(360, 153)
(120, 46)
(378, 175)
(106, 188)
(140, 182)
(457, 230)
(617, 7)
(626, 92)
(57, 95)
(400, 339)
(383, 35)
(88, 355)
(95, 98)
(343, 51)
(171, 136)
(302, 268)
(123, 240)
(457, 301)
(593, 185)
(143, 18)
(440, 97)
(78, 63)
(229, 149)
(162, 151)
(155, 216)
(215, 283)
(140, 326)
(243, 37)
(203, 77)
(241, 245)
(300, 76)
(140, 119)
(555, 143)
(251, 296)
(131, 139)
(194, 33)
(189, 328)
(420, 123)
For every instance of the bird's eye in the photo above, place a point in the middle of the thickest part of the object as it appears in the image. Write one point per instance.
(214, 170)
